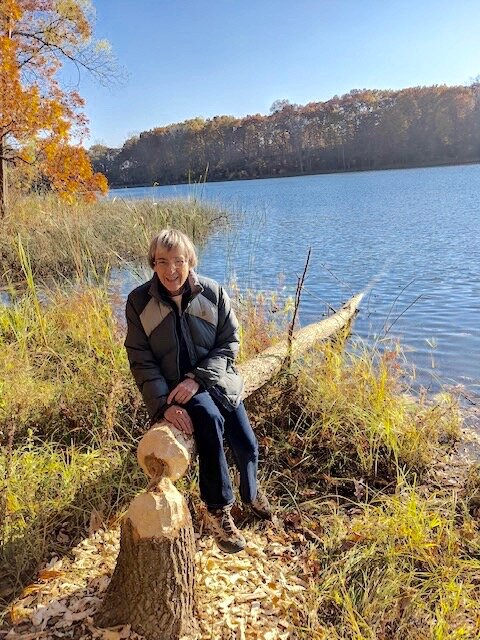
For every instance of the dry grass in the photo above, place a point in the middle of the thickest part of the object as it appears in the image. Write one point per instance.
(343, 423)
(85, 239)
(64, 372)
(52, 496)
(264, 318)
(401, 567)
(391, 559)
(69, 414)
(355, 403)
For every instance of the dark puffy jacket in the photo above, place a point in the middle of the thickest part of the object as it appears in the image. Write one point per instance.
(210, 330)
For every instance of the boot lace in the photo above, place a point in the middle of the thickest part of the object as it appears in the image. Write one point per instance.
(224, 521)
(227, 523)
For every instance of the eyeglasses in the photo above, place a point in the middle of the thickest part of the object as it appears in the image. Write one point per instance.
(162, 262)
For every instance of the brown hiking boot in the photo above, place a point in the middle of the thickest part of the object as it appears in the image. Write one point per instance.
(261, 506)
(226, 535)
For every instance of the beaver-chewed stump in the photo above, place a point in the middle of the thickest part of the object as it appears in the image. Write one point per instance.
(152, 587)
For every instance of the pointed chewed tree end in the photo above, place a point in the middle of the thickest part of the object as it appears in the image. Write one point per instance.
(160, 513)
(165, 451)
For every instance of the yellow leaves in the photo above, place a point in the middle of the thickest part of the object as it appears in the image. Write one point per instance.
(70, 173)
(12, 9)
(50, 574)
(435, 521)
(32, 588)
(256, 597)
(103, 45)
(34, 106)
(12, 503)
(76, 11)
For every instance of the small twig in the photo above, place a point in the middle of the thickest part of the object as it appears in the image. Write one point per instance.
(335, 277)
(298, 294)
(403, 312)
(313, 295)
(392, 306)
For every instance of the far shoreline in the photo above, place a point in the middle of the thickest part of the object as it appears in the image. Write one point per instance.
(114, 187)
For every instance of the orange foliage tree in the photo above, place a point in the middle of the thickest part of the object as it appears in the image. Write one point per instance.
(39, 118)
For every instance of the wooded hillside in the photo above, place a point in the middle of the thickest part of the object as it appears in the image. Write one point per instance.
(364, 129)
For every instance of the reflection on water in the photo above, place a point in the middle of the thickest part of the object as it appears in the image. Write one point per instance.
(410, 237)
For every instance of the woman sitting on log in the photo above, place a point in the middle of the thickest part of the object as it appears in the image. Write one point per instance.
(182, 340)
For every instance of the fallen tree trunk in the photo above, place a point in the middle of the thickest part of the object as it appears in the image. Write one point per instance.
(153, 587)
(261, 369)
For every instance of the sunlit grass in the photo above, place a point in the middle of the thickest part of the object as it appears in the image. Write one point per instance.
(347, 455)
(85, 239)
(356, 404)
(67, 397)
(51, 495)
(264, 319)
(404, 566)
(64, 371)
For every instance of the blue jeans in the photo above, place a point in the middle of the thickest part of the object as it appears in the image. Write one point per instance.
(211, 423)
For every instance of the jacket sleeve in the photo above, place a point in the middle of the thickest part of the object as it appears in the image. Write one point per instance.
(213, 367)
(144, 367)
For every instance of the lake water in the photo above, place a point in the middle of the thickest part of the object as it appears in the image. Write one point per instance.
(410, 238)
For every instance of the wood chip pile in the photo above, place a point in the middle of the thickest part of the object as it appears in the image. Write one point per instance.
(261, 593)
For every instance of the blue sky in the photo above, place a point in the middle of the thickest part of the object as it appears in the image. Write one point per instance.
(186, 58)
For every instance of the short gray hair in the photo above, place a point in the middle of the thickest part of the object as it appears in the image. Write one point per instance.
(172, 239)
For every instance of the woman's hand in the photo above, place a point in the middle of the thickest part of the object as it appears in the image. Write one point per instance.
(184, 391)
(179, 417)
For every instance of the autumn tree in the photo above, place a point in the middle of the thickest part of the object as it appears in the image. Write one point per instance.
(38, 118)
(363, 129)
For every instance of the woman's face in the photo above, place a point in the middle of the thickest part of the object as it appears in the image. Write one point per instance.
(172, 268)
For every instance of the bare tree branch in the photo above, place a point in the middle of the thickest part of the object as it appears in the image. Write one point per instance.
(298, 294)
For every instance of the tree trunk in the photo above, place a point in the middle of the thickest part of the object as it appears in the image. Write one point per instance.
(3, 183)
(153, 585)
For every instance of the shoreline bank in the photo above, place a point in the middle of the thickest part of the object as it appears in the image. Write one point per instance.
(116, 187)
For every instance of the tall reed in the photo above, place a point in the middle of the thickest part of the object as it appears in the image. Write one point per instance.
(342, 423)
(67, 239)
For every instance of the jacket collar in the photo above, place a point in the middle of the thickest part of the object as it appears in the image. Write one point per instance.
(193, 281)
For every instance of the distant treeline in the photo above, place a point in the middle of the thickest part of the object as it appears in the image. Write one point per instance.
(364, 129)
